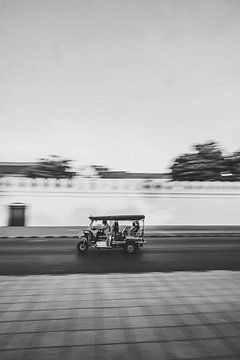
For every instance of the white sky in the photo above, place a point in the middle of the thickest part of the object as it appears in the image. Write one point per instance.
(125, 83)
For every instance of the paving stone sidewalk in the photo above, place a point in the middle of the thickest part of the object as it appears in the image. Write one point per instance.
(181, 315)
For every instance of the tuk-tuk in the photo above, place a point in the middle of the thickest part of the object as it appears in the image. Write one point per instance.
(114, 231)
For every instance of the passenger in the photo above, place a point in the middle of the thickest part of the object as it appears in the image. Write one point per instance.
(126, 231)
(135, 228)
(115, 228)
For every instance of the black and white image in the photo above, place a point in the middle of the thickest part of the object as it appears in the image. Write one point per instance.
(120, 179)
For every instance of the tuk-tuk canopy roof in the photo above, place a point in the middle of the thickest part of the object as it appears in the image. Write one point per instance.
(117, 217)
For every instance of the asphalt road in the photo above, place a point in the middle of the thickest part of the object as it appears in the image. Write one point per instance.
(59, 256)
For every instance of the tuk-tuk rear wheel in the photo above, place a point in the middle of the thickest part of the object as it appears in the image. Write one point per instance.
(130, 247)
(82, 246)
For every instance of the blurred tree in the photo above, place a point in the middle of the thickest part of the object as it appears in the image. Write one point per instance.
(232, 163)
(100, 169)
(205, 164)
(52, 167)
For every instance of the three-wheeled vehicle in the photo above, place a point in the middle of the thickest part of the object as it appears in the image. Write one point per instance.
(114, 231)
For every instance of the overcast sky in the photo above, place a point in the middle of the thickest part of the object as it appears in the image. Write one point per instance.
(125, 83)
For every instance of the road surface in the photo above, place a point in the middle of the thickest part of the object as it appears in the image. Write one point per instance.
(59, 256)
(147, 312)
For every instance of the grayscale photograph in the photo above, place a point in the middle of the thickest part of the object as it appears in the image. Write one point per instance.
(120, 179)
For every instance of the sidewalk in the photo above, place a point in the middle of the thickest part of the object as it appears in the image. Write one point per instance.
(182, 315)
(150, 231)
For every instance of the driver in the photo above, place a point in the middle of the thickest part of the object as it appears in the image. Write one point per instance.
(106, 228)
(107, 231)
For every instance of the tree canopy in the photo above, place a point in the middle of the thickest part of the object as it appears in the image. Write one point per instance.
(206, 163)
(52, 167)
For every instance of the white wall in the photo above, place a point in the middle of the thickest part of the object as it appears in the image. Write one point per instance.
(53, 203)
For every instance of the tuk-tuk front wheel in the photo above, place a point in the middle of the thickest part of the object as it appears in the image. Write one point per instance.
(82, 246)
(130, 247)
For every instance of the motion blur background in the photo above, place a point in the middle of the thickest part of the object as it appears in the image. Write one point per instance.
(120, 89)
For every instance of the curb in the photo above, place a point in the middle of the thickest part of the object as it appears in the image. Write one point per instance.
(159, 235)
(185, 235)
(40, 237)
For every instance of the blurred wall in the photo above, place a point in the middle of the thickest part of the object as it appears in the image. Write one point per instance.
(51, 202)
